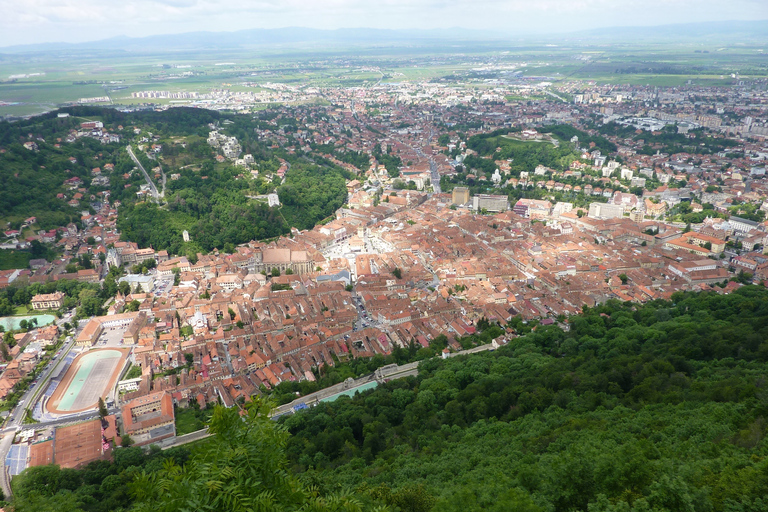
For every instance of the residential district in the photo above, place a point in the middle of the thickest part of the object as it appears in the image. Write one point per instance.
(450, 237)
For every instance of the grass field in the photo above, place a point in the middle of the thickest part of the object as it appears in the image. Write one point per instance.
(14, 259)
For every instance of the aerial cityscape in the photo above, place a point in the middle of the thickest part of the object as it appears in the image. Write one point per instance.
(506, 267)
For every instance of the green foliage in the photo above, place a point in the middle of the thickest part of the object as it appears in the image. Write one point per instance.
(243, 468)
(311, 193)
(99, 487)
(565, 132)
(654, 407)
(133, 372)
(191, 419)
(94, 295)
(526, 156)
(132, 306)
(391, 162)
(103, 411)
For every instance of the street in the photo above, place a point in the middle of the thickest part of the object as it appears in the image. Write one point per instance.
(151, 184)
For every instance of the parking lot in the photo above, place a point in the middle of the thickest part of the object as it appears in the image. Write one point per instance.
(111, 338)
(162, 287)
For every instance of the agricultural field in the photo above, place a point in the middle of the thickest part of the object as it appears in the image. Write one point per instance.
(45, 82)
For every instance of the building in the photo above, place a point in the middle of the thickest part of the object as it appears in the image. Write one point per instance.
(716, 244)
(144, 283)
(742, 225)
(113, 258)
(90, 333)
(48, 301)
(605, 211)
(460, 195)
(533, 208)
(283, 259)
(131, 334)
(128, 385)
(133, 321)
(490, 203)
(88, 275)
(683, 244)
(149, 418)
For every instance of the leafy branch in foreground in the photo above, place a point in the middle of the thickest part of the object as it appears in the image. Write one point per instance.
(242, 468)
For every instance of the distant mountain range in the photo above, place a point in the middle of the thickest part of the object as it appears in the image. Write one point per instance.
(296, 36)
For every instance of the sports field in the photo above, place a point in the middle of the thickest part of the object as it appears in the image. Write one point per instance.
(90, 377)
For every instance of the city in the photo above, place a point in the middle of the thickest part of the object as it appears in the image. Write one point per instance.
(177, 251)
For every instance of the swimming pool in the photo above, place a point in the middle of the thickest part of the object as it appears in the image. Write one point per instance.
(351, 392)
(12, 322)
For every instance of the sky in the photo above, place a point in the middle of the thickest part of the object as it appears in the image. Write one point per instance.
(74, 21)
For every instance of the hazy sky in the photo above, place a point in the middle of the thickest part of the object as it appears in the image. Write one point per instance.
(38, 21)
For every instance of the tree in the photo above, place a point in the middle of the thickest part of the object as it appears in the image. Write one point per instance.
(623, 278)
(125, 441)
(397, 273)
(124, 288)
(103, 412)
(242, 468)
(133, 305)
(275, 272)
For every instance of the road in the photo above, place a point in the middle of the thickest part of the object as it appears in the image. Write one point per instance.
(151, 184)
(162, 172)
(383, 374)
(434, 176)
(556, 96)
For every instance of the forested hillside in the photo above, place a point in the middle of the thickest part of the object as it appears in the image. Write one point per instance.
(655, 407)
(218, 203)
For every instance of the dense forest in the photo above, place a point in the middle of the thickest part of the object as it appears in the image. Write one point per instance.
(652, 408)
(656, 407)
(216, 211)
